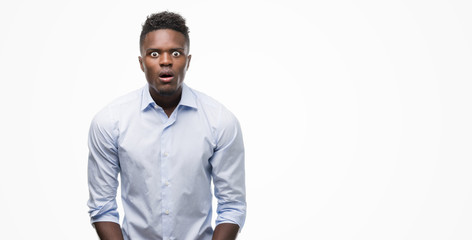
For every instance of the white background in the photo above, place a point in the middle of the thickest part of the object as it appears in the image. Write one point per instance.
(356, 114)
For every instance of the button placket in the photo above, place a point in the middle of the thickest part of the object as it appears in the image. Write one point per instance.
(166, 203)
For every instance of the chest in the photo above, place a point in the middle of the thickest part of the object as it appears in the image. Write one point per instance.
(148, 145)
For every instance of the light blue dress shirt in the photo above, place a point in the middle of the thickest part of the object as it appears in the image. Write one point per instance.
(166, 165)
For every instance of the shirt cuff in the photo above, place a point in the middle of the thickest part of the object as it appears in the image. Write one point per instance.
(105, 218)
(238, 220)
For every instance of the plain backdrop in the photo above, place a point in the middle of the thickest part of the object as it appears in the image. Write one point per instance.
(356, 114)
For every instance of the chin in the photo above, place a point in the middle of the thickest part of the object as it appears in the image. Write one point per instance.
(167, 90)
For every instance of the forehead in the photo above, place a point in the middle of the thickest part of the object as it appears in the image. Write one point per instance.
(164, 39)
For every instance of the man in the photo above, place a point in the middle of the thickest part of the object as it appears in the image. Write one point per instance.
(167, 141)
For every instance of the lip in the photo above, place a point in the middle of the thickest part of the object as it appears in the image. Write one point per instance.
(166, 79)
(166, 75)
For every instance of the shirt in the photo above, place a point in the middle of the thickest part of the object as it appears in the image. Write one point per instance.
(166, 165)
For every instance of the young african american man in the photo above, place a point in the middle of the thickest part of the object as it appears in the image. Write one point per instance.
(167, 142)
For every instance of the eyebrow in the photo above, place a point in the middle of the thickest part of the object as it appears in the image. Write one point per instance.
(159, 50)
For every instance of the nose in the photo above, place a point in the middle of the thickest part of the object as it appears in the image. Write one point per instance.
(165, 59)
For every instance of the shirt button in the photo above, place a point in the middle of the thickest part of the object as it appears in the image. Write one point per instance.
(167, 212)
(166, 154)
(167, 183)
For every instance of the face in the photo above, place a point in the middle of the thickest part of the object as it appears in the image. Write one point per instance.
(164, 60)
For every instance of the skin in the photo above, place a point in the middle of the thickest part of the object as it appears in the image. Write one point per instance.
(164, 50)
(108, 231)
(225, 231)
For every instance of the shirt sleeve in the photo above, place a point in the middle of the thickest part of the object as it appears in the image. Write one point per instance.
(103, 169)
(228, 171)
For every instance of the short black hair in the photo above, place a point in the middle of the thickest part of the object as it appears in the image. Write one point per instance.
(164, 20)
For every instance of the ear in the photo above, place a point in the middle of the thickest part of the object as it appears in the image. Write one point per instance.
(141, 64)
(189, 57)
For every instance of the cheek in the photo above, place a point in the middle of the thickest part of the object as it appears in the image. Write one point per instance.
(149, 67)
(183, 66)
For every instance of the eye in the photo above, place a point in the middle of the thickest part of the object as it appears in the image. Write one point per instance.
(154, 54)
(175, 54)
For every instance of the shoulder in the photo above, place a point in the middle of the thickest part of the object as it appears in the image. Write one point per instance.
(222, 121)
(215, 110)
(109, 115)
(131, 99)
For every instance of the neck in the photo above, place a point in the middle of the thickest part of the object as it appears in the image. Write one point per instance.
(168, 103)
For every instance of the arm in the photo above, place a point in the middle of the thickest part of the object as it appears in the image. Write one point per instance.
(103, 170)
(108, 231)
(229, 178)
(226, 231)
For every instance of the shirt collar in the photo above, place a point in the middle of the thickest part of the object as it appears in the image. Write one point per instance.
(187, 99)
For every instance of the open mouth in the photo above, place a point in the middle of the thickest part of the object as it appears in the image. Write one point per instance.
(166, 75)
